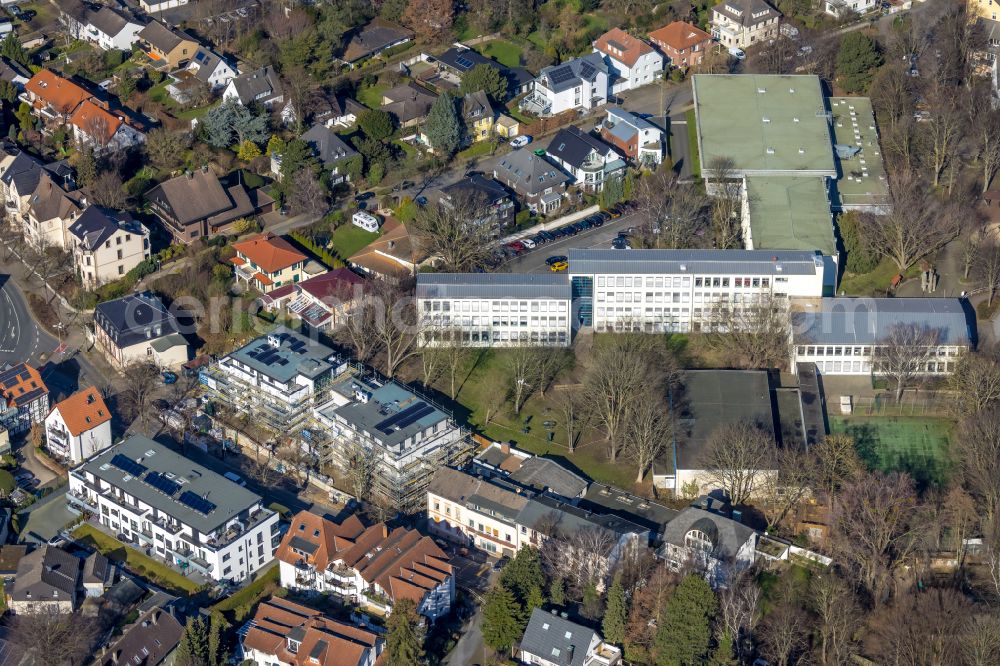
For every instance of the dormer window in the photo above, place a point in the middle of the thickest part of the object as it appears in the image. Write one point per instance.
(698, 540)
(293, 646)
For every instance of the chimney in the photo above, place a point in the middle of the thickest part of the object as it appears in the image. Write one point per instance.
(505, 448)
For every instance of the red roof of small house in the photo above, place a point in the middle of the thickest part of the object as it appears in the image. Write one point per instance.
(337, 284)
(679, 35)
(83, 411)
(271, 253)
(622, 46)
(61, 94)
(97, 123)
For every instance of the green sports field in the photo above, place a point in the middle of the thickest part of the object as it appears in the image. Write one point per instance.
(913, 444)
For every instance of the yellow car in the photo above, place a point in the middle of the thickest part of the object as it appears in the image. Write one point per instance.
(559, 266)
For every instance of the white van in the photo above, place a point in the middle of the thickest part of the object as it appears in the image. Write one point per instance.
(737, 53)
(366, 221)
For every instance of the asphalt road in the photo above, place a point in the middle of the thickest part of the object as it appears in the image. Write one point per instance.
(21, 339)
(600, 237)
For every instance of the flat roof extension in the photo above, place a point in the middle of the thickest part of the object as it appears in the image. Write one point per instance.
(790, 213)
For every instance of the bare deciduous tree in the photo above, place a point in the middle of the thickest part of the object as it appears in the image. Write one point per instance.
(676, 215)
(454, 232)
(934, 640)
(980, 640)
(945, 127)
(902, 355)
(521, 363)
(784, 634)
(978, 452)
(754, 335)
(835, 608)
(136, 389)
(109, 190)
(976, 380)
(837, 463)
(913, 227)
(986, 268)
(358, 330)
(739, 606)
(986, 133)
(395, 323)
(572, 408)
(726, 188)
(51, 637)
(796, 476)
(872, 530)
(739, 457)
(648, 432)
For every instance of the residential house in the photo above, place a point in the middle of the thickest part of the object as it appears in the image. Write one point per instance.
(286, 633)
(267, 262)
(494, 310)
(331, 151)
(150, 641)
(683, 44)
(581, 83)
(111, 28)
(744, 23)
(478, 114)
(987, 9)
(483, 199)
(261, 86)
(47, 581)
(459, 59)
(167, 47)
(50, 212)
(139, 328)
(589, 160)
(25, 396)
(20, 174)
(539, 184)
(155, 6)
(106, 245)
(639, 140)
(97, 575)
(393, 255)
(839, 8)
(210, 68)
(631, 62)
(852, 336)
(337, 111)
(79, 426)
(409, 103)
(507, 127)
(176, 509)
(14, 73)
(550, 639)
(376, 567)
(53, 98)
(372, 39)
(97, 127)
(321, 302)
(279, 378)
(706, 538)
(198, 204)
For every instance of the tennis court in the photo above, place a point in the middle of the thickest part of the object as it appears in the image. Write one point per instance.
(913, 444)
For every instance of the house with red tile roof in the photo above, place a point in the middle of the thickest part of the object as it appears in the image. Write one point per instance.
(631, 61)
(268, 262)
(683, 44)
(373, 567)
(322, 302)
(285, 632)
(53, 97)
(94, 125)
(79, 426)
(25, 396)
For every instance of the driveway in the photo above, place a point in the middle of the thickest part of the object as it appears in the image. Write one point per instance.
(475, 578)
(47, 517)
(31, 462)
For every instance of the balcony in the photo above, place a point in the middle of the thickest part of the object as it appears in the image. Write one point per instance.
(537, 104)
(184, 557)
(83, 502)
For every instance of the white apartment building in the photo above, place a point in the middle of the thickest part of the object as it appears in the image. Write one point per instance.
(846, 336)
(401, 434)
(195, 519)
(580, 83)
(79, 426)
(838, 7)
(494, 310)
(744, 23)
(631, 61)
(678, 290)
(106, 245)
(277, 378)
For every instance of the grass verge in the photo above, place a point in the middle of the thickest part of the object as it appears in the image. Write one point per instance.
(348, 239)
(692, 130)
(250, 595)
(874, 283)
(144, 566)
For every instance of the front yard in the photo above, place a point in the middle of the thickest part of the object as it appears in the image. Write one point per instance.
(146, 567)
(347, 239)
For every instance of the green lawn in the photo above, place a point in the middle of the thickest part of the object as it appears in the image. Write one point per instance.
(478, 149)
(146, 567)
(874, 283)
(264, 586)
(371, 96)
(504, 52)
(348, 239)
(485, 377)
(917, 445)
(692, 130)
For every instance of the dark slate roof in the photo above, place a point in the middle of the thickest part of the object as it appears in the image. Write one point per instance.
(572, 145)
(135, 318)
(193, 196)
(639, 510)
(10, 70)
(261, 81)
(570, 74)
(697, 262)
(47, 574)
(866, 321)
(372, 38)
(751, 12)
(327, 146)
(109, 21)
(476, 187)
(528, 173)
(518, 77)
(726, 534)
(96, 224)
(409, 102)
(153, 636)
(547, 475)
(97, 569)
(25, 171)
(555, 639)
(561, 520)
(476, 105)
(162, 37)
(463, 59)
(207, 62)
(493, 285)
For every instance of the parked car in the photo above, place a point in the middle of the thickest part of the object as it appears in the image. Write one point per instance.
(555, 259)
(558, 266)
(520, 141)
(539, 239)
(517, 247)
(364, 196)
(169, 377)
(739, 54)
(528, 243)
(621, 243)
(547, 235)
(421, 200)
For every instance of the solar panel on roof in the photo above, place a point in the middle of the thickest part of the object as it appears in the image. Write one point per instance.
(424, 410)
(386, 426)
(587, 70)
(464, 62)
(561, 74)
(162, 483)
(196, 502)
(126, 464)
